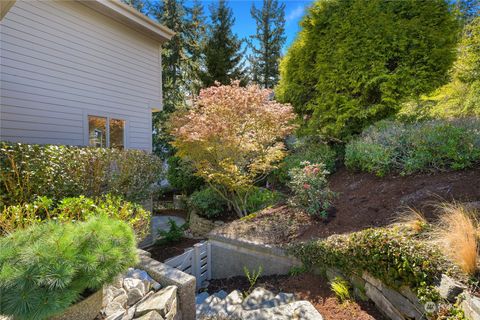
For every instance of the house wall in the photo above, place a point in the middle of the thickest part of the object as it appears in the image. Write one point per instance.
(61, 61)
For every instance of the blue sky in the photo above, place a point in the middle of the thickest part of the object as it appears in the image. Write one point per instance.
(245, 26)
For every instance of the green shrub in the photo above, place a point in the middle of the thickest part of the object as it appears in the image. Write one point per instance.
(310, 188)
(74, 209)
(389, 254)
(305, 151)
(174, 234)
(180, 175)
(207, 203)
(47, 267)
(261, 198)
(355, 61)
(424, 146)
(28, 171)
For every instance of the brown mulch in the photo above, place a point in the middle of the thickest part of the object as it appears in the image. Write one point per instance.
(162, 252)
(364, 200)
(312, 288)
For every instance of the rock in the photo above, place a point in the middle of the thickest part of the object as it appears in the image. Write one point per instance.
(200, 298)
(173, 311)
(221, 294)
(129, 314)
(117, 292)
(234, 297)
(118, 282)
(449, 289)
(257, 298)
(471, 307)
(113, 308)
(284, 298)
(141, 275)
(213, 306)
(121, 299)
(152, 315)
(131, 283)
(134, 296)
(116, 316)
(160, 301)
(298, 310)
(156, 286)
(382, 303)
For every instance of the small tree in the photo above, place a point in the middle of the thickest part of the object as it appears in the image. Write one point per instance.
(232, 135)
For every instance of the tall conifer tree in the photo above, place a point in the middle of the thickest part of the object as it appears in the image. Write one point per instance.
(223, 50)
(171, 13)
(266, 44)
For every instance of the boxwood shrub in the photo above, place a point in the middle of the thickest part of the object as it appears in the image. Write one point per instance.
(28, 171)
(391, 146)
(47, 267)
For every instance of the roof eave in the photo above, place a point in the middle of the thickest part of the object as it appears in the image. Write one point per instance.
(131, 17)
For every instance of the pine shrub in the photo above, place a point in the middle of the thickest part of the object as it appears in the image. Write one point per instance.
(47, 267)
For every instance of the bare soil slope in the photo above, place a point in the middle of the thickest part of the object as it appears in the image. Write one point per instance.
(364, 200)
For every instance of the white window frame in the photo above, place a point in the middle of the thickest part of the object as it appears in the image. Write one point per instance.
(108, 116)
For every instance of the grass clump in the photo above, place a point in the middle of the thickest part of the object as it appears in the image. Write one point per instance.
(456, 234)
(47, 267)
(433, 145)
(341, 288)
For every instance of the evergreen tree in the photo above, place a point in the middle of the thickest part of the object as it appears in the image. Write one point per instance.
(223, 55)
(140, 5)
(355, 62)
(170, 13)
(195, 46)
(266, 44)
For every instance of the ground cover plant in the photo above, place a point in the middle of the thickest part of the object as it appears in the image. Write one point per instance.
(392, 146)
(81, 208)
(233, 137)
(390, 254)
(28, 171)
(354, 62)
(47, 267)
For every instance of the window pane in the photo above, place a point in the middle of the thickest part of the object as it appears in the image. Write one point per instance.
(117, 137)
(97, 131)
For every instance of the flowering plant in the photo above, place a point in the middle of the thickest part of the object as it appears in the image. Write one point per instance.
(310, 188)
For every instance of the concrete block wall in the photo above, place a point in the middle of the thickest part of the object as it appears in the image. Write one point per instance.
(230, 256)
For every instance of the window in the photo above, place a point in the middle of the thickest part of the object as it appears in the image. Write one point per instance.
(106, 132)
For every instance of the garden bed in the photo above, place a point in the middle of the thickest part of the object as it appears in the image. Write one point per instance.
(314, 289)
(162, 252)
(364, 200)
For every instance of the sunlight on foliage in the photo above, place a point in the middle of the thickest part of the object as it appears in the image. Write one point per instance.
(232, 136)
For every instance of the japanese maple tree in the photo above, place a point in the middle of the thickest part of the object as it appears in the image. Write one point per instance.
(233, 136)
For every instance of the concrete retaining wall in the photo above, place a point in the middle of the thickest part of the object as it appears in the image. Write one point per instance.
(230, 256)
(168, 276)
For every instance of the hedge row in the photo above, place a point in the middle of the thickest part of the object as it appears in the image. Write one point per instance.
(28, 171)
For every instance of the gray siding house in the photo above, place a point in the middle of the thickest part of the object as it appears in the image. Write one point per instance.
(85, 72)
